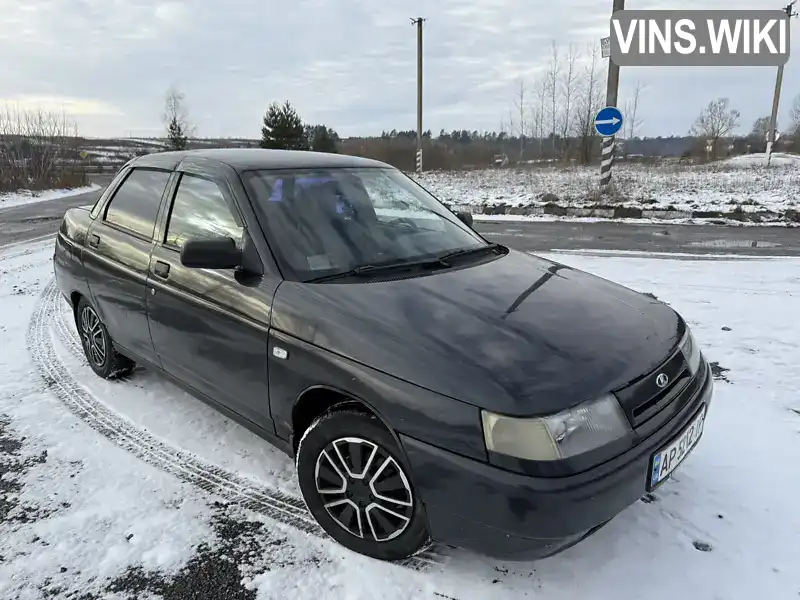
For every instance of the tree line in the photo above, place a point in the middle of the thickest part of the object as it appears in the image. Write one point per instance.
(282, 127)
(550, 119)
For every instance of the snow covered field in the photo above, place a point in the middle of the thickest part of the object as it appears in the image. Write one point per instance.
(134, 489)
(28, 197)
(740, 182)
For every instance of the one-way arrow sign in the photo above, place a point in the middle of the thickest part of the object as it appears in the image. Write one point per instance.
(608, 121)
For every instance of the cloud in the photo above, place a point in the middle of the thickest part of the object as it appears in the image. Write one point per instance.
(348, 63)
(72, 107)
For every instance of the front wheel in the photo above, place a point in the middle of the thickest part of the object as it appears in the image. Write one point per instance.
(355, 482)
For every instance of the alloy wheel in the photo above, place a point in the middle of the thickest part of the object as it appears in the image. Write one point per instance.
(94, 338)
(364, 489)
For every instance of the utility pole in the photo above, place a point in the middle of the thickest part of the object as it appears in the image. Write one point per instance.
(772, 134)
(612, 91)
(418, 22)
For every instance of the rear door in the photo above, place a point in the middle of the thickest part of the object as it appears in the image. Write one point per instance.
(208, 329)
(116, 259)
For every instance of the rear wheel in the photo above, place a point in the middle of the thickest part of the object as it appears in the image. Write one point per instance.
(97, 345)
(355, 482)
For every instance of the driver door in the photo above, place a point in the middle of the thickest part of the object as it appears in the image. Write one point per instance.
(209, 330)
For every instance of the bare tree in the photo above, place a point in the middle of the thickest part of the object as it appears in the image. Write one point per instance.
(569, 83)
(760, 128)
(38, 150)
(716, 122)
(589, 101)
(553, 73)
(503, 135)
(512, 126)
(522, 125)
(632, 121)
(176, 118)
(794, 126)
(539, 115)
(794, 114)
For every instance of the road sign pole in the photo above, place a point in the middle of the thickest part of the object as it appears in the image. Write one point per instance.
(773, 119)
(606, 162)
(612, 89)
(776, 97)
(607, 124)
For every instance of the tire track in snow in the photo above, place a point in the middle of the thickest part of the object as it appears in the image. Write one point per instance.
(280, 506)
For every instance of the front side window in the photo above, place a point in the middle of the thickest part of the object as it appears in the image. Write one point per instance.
(135, 204)
(200, 211)
(326, 221)
(120, 176)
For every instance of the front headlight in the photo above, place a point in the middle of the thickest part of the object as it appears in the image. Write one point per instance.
(568, 433)
(691, 351)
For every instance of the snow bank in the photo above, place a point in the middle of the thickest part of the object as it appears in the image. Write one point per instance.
(29, 197)
(760, 160)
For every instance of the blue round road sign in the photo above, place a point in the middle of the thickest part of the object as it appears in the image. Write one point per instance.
(608, 121)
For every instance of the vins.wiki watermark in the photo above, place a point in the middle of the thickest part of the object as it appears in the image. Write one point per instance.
(700, 38)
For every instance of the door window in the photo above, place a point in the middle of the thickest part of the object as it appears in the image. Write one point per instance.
(135, 205)
(200, 211)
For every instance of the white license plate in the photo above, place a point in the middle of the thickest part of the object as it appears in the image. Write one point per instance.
(667, 460)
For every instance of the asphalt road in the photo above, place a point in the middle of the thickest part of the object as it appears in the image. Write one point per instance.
(32, 221)
(611, 236)
(43, 218)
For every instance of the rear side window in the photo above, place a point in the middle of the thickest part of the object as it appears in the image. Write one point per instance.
(135, 205)
(200, 211)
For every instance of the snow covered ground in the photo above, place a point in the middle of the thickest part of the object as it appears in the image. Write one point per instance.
(760, 160)
(723, 186)
(28, 197)
(134, 489)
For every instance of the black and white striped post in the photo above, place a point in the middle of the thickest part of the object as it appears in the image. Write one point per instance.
(606, 162)
(419, 161)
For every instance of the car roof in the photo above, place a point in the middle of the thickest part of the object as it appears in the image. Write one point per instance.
(248, 159)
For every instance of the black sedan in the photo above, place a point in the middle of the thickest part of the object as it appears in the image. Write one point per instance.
(431, 386)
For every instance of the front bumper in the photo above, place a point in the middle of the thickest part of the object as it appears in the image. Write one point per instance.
(494, 512)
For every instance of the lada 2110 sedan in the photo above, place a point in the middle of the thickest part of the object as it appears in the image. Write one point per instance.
(430, 385)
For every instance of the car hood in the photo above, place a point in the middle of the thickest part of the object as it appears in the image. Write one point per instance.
(519, 335)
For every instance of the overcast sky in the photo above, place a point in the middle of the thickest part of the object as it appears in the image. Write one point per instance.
(350, 64)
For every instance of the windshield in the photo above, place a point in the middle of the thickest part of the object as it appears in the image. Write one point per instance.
(326, 221)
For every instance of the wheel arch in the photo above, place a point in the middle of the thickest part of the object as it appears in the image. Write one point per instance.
(319, 399)
(75, 299)
(76, 295)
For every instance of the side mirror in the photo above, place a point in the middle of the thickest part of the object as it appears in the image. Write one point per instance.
(466, 218)
(211, 253)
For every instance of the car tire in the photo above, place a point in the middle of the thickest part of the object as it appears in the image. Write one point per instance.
(98, 346)
(350, 491)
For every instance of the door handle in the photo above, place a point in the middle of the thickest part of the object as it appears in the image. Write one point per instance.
(161, 269)
(94, 241)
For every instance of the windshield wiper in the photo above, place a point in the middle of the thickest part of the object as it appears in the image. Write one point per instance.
(429, 263)
(382, 268)
(468, 251)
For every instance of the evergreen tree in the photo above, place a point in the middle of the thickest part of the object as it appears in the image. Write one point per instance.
(176, 138)
(283, 128)
(322, 139)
